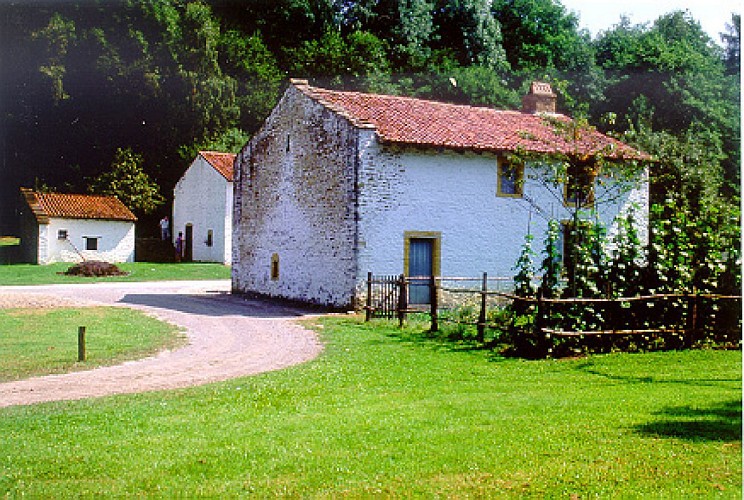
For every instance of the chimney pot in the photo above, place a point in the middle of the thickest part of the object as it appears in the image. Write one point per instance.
(540, 99)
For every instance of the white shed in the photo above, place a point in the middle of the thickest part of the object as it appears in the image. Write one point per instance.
(202, 208)
(59, 227)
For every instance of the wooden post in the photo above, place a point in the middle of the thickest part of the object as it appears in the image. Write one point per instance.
(81, 343)
(402, 300)
(368, 313)
(482, 314)
(434, 304)
(543, 339)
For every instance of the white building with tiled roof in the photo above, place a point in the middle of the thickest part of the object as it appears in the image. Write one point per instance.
(336, 184)
(202, 208)
(60, 227)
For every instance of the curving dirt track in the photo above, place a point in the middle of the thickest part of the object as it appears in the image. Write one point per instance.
(228, 336)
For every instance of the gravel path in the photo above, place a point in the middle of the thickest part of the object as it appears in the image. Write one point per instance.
(228, 337)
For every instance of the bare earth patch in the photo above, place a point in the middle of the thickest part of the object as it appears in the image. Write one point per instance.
(228, 337)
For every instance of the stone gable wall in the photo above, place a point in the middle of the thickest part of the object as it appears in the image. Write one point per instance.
(294, 212)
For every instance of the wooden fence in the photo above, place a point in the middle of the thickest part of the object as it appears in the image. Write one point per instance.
(687, 315)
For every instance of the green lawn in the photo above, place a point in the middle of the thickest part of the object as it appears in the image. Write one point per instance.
(43, 341)
(378, 415)
(29, 274)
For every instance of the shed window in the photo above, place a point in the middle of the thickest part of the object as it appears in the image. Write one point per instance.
(91, 243)
(62, 234)
(275, 267)
(210, 238)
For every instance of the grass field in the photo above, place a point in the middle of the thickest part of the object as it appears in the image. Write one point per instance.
(29, 274)
(382, 415)
(43, 341)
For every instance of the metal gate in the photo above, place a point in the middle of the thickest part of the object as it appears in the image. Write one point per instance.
(383, 295)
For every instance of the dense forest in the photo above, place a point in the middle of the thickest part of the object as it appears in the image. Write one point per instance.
(97, 93)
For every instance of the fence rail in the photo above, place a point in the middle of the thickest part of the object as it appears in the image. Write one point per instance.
(683, 314)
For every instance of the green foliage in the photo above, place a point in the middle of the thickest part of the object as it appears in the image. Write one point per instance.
(470, 31)
(525, 269)
(628, 257)
(57, 37)
(542, 34)
(732, 45)
(359, 54)
(552, 263)
(127, 181)
(230, 141)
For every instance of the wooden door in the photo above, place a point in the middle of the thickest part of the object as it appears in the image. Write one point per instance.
(420, 265)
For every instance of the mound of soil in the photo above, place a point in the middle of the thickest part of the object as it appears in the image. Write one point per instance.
(95, 268)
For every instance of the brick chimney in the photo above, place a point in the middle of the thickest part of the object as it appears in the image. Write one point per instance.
(541, 99)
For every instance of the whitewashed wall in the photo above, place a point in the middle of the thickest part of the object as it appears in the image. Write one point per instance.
(115, 240)
(204, 198)
(294, 201)
(455, 194)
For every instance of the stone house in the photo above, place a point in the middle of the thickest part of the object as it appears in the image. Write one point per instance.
(58, 227)
(336, 184)
(202, 208)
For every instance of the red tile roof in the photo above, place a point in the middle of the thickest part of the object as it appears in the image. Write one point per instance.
(222, 163)
(76, 206)
(405, 120)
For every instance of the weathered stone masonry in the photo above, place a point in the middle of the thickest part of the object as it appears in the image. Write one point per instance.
(295, 206)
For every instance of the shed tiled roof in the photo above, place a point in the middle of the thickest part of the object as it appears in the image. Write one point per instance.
(76, 206)
(222, 163)
(405, 120)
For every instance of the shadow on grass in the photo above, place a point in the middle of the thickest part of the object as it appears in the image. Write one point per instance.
(721, 422)
(417, 333)
(590, 368)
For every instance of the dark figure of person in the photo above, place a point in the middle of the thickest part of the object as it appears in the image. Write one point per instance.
(164, 228)
(179, 247)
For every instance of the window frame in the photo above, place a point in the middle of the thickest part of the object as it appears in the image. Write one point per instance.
(88, 240)
(502, 164)
(589, 177)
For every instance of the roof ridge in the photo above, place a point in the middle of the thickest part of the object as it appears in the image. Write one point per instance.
(228, 172)
(76, 206)
(417, 121)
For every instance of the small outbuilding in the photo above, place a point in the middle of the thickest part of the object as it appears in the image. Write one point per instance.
(202, 208)
(57, 227)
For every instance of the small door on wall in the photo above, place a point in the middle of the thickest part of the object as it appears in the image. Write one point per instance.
(420, 265)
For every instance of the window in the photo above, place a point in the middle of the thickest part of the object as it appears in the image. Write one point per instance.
(91, 243)
(62, 234)
(579, 189)
(275, 267)
(510, 178)
(210, 238)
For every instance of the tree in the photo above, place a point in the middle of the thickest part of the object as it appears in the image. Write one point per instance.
(732, 45)
(58, 35)
(127, 181)
(469, 29)
(540, 34)
(406, 25)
